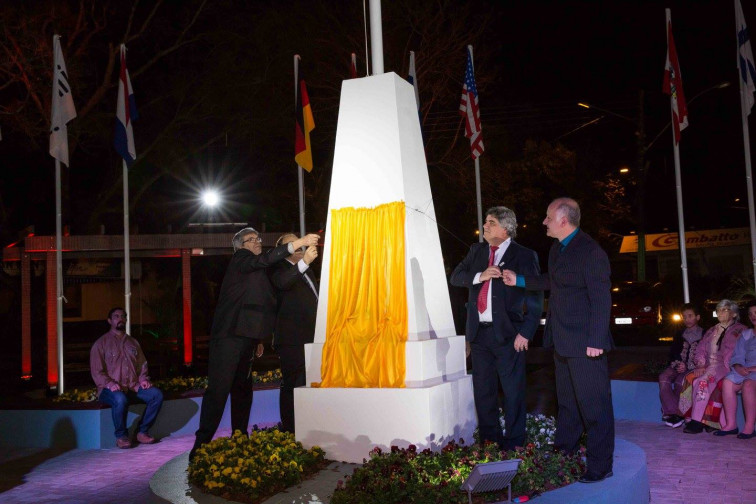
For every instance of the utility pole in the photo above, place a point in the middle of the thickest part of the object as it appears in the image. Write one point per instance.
(641, 189)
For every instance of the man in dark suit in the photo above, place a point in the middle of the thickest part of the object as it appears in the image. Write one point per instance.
(245, 314)
(501, 321)
(297, 293)
(577, 325)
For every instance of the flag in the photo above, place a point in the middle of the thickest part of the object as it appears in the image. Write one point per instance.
(125, 113)
(353, 67)
(412, 78)
(745, 58)
(305, 123)
(673, 84)
(63, 110)
(468, 108)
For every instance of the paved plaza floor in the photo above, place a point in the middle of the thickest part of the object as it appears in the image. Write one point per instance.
(682, 469)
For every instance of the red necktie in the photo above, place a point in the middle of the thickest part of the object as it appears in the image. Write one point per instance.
(483, 294)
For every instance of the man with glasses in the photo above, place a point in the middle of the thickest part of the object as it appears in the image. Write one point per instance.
(245, 314)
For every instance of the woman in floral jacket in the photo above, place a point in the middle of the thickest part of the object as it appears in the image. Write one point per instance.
(712, 364)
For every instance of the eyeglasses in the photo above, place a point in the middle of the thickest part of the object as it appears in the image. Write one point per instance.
(721, 310)
(256, 239)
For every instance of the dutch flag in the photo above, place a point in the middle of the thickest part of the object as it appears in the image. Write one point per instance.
(125, 113)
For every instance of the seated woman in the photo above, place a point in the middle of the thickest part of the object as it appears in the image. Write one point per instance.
(741, 378)
(712, 364)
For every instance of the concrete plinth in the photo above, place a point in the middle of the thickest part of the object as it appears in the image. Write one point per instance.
(348, 422)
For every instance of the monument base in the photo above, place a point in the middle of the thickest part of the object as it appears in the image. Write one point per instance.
(349, 422)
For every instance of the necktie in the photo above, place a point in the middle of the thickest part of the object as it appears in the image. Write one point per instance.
(483, 294)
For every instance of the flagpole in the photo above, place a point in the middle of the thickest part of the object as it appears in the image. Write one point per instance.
(479, 199)
(681, 221)
(300, 175)
(376, 36)
(126, 248)
(744, 110)
(59, 274)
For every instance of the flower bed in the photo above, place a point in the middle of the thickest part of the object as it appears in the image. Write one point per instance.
(255, 467)
(174, 386)
(404, 475)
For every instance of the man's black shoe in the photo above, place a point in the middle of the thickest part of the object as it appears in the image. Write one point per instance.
(693, 427)
(595, 478)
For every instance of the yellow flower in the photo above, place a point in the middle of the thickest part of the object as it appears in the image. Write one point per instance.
(227, 471)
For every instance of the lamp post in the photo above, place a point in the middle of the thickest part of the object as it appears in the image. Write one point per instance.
(642, 164)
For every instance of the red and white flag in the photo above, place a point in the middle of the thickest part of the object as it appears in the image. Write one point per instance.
(468, 108)
(126, 112)
(673, 84)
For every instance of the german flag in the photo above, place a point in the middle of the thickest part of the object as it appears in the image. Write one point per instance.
(305, 123)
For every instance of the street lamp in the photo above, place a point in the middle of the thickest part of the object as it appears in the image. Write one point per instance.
(210, 197)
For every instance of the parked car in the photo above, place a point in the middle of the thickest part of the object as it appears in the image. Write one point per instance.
(636, 303)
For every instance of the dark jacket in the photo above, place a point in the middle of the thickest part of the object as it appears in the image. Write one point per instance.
(297, 304)
(246, 304)
(514, 309)
(580, 297)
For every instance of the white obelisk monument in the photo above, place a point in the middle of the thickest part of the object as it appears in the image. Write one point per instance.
(379, 158)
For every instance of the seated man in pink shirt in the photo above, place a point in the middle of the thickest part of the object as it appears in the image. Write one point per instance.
(119, 369)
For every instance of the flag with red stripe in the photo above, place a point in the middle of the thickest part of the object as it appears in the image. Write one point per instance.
(468, 108)
(305, 123)
(126, 112)
(673, 84)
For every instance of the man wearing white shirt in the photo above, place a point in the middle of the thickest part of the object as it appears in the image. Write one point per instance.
(501, 322)
(297, 293)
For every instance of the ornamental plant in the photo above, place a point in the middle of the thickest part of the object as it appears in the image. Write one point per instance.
(176, 385)
(406, 475)
(252, 468)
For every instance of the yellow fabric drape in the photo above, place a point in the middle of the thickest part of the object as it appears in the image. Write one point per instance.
(367, 323)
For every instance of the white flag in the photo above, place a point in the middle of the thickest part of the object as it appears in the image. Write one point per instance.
(63, 109)
(745, 58)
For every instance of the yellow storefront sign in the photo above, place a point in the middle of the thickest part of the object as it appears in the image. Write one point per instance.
(693, 239)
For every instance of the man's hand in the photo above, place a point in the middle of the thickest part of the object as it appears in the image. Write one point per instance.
(520, 343)
(306, 241)
(260, 350)
(509, 277)
(114, 387)
(740, 369)
(593, 352)
(310, 254)
(145, 384)
(490, 272)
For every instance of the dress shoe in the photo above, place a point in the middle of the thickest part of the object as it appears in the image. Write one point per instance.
(721, 432)
(145, 438)
(747, 436)
(674, 421)
(595, 478)
(123, 442)
(694, 427)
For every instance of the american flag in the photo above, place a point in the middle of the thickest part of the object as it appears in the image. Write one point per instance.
(468, 108)
(673, 84)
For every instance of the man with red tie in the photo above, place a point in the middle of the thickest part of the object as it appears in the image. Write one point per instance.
(501, 321)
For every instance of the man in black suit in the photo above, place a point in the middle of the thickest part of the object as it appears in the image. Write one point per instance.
(577, 325)
(245, 314)
(297, 293)
(501, 321)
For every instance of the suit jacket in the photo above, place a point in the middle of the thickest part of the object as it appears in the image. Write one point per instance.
(247, 304)
(297, 304)
(580, 301)
(514, 310)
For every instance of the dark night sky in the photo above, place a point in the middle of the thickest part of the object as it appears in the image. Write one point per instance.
(553, 54)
